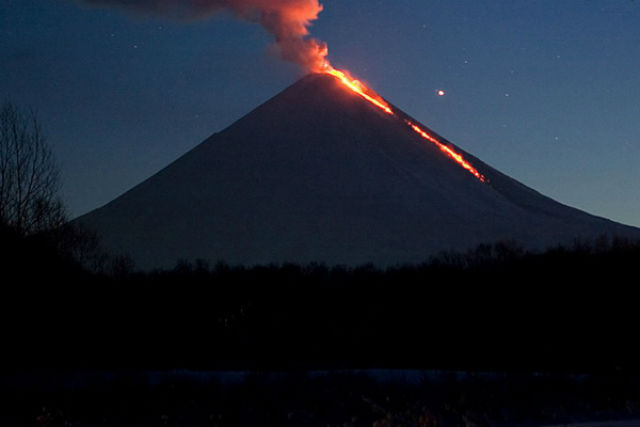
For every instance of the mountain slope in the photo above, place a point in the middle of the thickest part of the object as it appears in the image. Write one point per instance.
(319, 174)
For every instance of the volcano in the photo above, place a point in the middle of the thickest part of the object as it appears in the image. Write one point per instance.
(319, 174)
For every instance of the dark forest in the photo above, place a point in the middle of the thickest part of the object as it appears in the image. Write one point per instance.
(497, 307)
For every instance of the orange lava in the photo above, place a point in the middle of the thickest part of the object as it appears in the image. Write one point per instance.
(361, 89)
(447, 150)
(358, 87)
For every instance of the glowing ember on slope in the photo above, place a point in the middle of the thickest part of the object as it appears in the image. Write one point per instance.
(361, 89)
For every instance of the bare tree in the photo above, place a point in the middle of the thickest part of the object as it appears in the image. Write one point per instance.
(29, 176)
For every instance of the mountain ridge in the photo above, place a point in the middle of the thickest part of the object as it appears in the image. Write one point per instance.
(317, 174)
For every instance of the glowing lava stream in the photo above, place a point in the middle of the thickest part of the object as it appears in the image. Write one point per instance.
(447, 150)
(361, 89)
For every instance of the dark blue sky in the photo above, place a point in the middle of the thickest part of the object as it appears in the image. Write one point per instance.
(547, 91)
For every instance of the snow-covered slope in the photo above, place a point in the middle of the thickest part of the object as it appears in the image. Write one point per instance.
(319, 174)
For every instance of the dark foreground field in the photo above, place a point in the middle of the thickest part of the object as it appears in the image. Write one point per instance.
(557, 332)
(316, 399)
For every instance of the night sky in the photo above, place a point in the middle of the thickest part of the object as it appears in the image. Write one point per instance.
(546, 91)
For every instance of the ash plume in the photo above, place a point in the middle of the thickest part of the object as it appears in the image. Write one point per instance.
(287, 20)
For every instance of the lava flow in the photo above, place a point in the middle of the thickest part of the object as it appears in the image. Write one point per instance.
(358, 87)
(365, 92)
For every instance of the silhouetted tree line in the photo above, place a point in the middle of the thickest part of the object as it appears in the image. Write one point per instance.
(35, 238)
(494, 307)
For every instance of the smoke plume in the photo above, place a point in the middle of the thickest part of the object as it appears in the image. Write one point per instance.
(287, 20)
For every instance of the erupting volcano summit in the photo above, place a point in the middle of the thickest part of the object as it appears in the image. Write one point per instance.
(319, 173)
